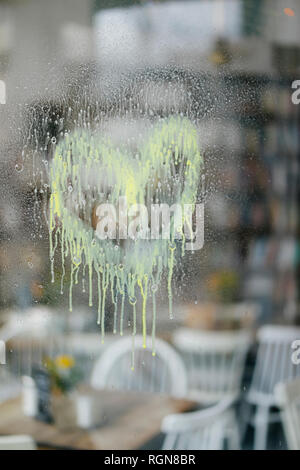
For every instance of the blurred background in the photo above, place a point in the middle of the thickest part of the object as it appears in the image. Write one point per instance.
(229, 67)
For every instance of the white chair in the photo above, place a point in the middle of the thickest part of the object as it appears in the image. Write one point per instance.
(273, 365)
(163, 373)
(288, 399)
(214, 360)
(208, 429)
(21, 442)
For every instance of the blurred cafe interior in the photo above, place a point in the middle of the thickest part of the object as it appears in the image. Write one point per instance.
(146, 344)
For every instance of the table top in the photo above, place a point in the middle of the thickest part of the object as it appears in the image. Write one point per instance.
(132, 419)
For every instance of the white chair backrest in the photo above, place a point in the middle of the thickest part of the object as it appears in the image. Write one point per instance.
(164, 373)
(198, 430)
(21, 442)
(214, 360)
(274, 358)
(9, 330)
(288, 399)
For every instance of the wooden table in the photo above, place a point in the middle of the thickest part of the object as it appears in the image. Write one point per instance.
(132, 419)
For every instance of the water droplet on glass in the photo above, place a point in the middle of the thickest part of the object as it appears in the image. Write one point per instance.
(19, 167)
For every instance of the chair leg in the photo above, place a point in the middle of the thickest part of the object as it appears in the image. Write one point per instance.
(261, 425)
(234, 442)
(245, 413)
(234, 438)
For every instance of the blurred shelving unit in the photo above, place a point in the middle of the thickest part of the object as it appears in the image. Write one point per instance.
(263, 194)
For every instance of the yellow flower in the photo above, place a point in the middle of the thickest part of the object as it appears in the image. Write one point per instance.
(64, 362)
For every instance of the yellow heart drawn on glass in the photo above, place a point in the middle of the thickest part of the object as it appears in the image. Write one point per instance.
(88, 170)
